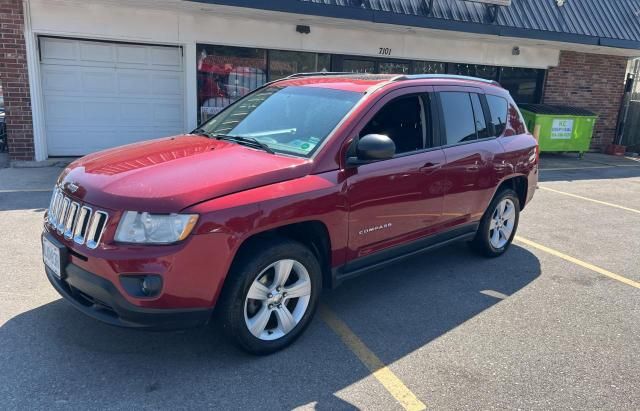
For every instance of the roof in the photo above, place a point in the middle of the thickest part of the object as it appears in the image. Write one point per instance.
(609, 23)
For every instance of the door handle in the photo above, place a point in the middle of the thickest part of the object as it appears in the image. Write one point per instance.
(473, 168)
(428, 167)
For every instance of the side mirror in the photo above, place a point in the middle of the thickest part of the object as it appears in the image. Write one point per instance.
(372, 147)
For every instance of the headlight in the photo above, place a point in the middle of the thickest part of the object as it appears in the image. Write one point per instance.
(145, 228)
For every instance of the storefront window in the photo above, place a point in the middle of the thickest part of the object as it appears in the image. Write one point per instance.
(358, 66)
(286, 63)
(476, 70)
(429, 67)
(392, 67)
(226, 74)
(523, 84)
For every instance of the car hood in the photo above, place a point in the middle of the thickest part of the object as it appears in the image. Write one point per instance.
(170, 174)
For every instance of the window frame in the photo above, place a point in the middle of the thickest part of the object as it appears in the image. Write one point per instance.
(442, 132)
(348, 145)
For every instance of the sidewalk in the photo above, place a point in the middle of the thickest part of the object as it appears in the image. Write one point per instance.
(556, 161)
(28, 179)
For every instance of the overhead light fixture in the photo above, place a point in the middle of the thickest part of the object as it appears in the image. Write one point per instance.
(302, 29)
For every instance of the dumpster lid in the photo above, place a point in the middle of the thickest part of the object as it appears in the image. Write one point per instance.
(557, 110)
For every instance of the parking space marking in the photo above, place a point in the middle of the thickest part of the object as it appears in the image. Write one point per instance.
(581, 263)
(381, 372)
(633, 210)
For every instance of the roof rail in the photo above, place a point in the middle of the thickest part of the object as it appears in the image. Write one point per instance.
(444, 76)
(319, 73)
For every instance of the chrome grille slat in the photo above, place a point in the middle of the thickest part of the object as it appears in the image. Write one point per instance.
(98, 224)
(75, 221)
(82, 224)
(63, 214)
(70, 221)
(54, 209)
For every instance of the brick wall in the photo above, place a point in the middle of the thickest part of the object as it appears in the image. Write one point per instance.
(15, 80)
(591, 81)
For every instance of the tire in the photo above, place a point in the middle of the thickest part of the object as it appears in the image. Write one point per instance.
(485, 241)
(256, 270)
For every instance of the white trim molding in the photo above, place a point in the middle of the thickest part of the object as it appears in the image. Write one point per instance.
(35, 88)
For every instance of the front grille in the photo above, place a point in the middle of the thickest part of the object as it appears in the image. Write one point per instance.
(76, 221)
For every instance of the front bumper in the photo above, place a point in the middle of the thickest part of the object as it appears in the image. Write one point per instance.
(99, 298)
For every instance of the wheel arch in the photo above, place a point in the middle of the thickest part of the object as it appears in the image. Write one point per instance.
(519, 184)
(314, 234)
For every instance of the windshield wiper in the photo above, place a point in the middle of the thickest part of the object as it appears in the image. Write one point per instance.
(201, 132)
(247, 141)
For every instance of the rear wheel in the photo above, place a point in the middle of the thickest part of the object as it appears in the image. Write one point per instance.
(498, 225)
(272, 295)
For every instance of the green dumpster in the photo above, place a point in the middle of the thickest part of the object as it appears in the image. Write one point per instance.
(562, 128)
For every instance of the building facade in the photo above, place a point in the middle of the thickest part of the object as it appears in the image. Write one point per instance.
(80, 76)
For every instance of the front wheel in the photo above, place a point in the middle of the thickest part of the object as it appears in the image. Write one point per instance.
(271, 295)
(498, 225)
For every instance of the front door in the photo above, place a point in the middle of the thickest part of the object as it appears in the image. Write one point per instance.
(394, 201)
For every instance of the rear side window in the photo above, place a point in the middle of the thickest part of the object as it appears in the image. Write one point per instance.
(498, 107)
(481, 124)
(459, 122)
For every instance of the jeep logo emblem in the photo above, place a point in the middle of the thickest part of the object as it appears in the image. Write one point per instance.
(72, 187)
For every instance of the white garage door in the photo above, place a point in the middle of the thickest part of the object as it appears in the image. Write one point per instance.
(99, 95)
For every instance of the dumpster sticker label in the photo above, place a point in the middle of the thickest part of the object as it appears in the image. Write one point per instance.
(562, 129)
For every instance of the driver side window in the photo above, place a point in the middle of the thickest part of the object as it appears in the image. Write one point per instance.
(404, 120)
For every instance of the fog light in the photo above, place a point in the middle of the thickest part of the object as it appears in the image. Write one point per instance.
(151, 285)
(141, 286)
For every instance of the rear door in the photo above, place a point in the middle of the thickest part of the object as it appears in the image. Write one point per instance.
(394, 201)
(470, 150)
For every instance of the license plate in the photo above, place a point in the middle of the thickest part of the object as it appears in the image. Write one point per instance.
(51, 256)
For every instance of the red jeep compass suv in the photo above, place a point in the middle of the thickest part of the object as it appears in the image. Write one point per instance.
(301, 184)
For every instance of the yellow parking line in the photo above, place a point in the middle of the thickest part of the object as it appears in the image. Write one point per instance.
(581, 263)
(381, 372)
(633, 210)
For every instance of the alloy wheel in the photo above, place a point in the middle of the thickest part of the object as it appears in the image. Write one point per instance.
(502, 223)
(277, 299)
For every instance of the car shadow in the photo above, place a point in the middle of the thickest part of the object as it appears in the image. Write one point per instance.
(54, 355)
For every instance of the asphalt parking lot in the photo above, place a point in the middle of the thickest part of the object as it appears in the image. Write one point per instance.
(553, 324)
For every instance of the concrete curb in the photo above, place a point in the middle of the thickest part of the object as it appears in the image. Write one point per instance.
(54, 162)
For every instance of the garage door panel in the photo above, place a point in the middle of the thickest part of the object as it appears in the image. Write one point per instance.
(135, 84)
(133, 55)
(167, 113)
(101, 82)
(58, 50)
(167, 84)
(170, 57)
(97, 52)
(56, 80)
(61, 112)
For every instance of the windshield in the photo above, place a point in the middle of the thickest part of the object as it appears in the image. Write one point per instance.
(293, 120)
